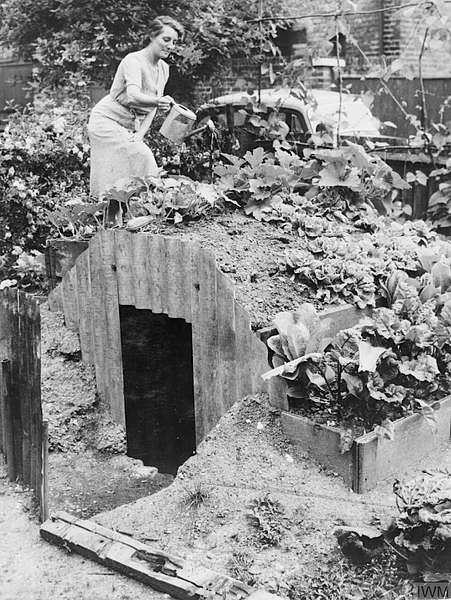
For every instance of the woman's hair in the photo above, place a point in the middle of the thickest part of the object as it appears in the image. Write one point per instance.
(156, 26)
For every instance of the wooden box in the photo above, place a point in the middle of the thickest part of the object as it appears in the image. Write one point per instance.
(371, 459)
(60, 257)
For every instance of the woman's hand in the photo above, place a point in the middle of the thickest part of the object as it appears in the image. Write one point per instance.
(165, 102)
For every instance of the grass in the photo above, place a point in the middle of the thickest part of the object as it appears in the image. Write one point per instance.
(196, 495)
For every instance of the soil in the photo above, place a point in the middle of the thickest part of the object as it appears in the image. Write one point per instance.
(248, 504)
(248, 251)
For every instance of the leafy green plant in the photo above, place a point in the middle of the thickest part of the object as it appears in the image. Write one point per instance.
(44, 162)
(422, 530)
(384, 368)
(266, 514)
(256, 182)
(239, 564)
(147, 200)
(348, 177)
(77, 218)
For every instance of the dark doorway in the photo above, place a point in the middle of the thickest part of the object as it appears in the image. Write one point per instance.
(158, 388)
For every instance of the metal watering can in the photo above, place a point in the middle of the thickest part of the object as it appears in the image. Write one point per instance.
(178, 123)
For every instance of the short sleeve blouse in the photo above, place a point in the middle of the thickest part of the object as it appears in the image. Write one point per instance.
(134, 69)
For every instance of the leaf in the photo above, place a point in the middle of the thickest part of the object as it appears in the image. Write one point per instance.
(255, 158)
(441, 276)
(386, 430)
(139, 222)
(429, 414)
(423, 367)
(347, 436)
(297, 337)
(443, 533)
(369, 356)
(274, 343)
(289, 367)
(316, 378)
(354, 384)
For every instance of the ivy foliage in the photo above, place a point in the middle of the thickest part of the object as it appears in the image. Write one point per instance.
(89, 37)
(44, 162)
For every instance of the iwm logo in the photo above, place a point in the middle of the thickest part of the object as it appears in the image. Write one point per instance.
(434, 590)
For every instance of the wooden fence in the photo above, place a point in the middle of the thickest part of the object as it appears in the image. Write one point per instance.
(14, 80)
(408, 93)
(23, 433)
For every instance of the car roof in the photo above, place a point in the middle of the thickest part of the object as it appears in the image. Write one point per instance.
(323, 106)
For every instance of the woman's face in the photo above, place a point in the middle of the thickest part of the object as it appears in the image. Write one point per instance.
(163, 44)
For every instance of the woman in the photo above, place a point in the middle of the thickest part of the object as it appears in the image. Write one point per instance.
(119, 121)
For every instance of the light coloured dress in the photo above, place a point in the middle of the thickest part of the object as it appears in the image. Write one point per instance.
(113, 120)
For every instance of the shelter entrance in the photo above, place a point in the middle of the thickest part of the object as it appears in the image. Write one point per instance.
(157, 361)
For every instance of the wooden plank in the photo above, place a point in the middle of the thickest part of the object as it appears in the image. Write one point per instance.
(140, 271)
(124, 261)
(4, 355)
(345, 316)
(365, 473)
(44, 473)
(60, 257)
(26, 380)
(371, 460)
(5, 339)
(320, 442)
(113, 377)
(96, 268)
(277, 391)
(55, 299)
(85, 312)
(176, 277)
(15, 387)
(8, 429)
(70, 299)
(413, 441)
(158, 569)
(244, 351)
(157, 273)
(259, 364)
(227, 364)
(34, 348)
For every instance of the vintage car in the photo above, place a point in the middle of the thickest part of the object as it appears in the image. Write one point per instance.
(297, 118)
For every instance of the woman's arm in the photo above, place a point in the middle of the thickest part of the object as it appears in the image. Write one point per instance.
(140, 100)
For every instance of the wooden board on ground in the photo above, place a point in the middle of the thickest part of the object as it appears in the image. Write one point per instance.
(153, 567)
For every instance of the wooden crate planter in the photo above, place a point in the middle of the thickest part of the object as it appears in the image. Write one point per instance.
(371, 460)
(60, 257)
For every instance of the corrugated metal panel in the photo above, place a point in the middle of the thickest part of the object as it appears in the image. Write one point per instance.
(124, 266)
(85, 313)
(70, 300)
(180, 279)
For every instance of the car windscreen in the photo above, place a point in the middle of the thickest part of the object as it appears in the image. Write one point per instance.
(352, 117)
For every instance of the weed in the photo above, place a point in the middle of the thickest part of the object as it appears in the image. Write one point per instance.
(196, 495)
(239, 564)
(267, 516)
(384, 577)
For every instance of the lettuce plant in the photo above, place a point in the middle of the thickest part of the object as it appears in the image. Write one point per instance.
(422, 530)
(384, 368)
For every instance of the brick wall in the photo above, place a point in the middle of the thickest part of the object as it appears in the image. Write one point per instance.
(380, 37)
